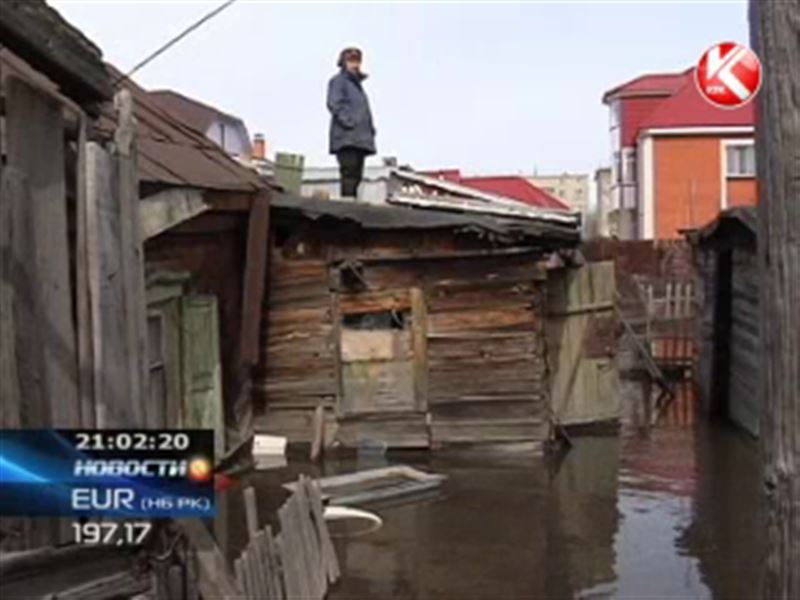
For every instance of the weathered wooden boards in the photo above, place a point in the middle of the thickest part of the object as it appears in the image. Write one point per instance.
(584, 378)
(38, 259)
(444, 346)
(116, 278)
(11, 195)
(298, 563)
(485, 352)
(775, 30)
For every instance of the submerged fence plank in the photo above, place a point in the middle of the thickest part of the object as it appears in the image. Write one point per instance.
(300, 562)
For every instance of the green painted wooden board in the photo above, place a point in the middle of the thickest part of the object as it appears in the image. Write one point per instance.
(202, 373)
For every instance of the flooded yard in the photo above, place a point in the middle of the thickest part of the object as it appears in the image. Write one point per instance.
(665, 513)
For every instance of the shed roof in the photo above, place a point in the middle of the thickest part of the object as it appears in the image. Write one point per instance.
(172, 152)
(732, 221)
(372, 216)
(193, 112)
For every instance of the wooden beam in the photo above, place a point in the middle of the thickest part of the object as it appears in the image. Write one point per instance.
(169, 208)
(83, 296)
(775, 33)
(255, 275)
(419, 334)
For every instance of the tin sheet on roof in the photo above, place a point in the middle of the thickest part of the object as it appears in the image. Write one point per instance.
(371, 216)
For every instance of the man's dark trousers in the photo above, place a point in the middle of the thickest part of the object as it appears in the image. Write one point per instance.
(351, 169)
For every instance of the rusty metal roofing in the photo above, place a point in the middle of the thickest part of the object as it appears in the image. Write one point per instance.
(171, 152)
(372, 216)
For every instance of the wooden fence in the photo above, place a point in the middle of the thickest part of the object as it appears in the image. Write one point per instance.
(669, 329)
(299, 562)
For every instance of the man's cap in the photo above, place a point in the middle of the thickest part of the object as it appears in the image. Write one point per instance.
(351, 52)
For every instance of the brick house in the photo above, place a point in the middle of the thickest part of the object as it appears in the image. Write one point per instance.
(676, 159)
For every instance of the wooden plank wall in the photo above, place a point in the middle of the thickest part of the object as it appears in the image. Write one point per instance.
(40, 259)
(474, 344)
(298, 367)
(486, 370)
(744, 344)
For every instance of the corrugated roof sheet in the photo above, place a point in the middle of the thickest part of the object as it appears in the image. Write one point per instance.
(172, 152)
(372, 216)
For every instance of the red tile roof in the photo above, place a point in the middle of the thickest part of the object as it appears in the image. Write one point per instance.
(687, 108)
(515, 187)
(648, 85)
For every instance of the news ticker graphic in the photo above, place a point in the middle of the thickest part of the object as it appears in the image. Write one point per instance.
(108, 473)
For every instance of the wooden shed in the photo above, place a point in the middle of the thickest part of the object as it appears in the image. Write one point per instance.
(728, 317)
(204, 224)
(410, 326)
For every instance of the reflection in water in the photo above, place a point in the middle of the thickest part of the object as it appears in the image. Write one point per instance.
(655, 514)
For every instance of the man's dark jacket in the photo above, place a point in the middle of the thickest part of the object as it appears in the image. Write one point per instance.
(351, 119)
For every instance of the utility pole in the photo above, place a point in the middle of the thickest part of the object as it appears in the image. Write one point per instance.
(775, 37)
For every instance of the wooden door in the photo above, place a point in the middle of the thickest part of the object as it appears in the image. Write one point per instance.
(382, 378)
(202, 373)
(581, 339)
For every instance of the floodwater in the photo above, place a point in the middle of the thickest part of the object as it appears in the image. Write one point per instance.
(667, 512)
(670, 511)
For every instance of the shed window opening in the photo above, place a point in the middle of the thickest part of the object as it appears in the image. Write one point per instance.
(397, 320)
(741, 160)
(156, 363)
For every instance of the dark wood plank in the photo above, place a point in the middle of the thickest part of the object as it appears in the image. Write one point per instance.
(255, 276)
(11, 195)
(775, 33)
(419, 336)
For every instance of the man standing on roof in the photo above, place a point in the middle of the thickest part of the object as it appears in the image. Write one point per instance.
(352, 134)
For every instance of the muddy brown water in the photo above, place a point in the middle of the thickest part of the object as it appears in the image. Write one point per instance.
(668, 512)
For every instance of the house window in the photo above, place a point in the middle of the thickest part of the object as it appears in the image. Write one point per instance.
(740, 160)
(628, 166)
(614, 113)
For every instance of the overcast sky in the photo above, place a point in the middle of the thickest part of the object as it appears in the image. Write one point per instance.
(488, 88)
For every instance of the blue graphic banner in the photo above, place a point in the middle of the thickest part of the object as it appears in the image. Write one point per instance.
(111, 473)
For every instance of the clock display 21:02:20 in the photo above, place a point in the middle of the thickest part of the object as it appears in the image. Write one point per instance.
(137, 440)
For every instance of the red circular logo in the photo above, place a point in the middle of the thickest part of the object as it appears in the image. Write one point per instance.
(728, 75)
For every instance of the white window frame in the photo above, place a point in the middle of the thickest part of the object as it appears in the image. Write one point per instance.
(727, 145)
(724, 175)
